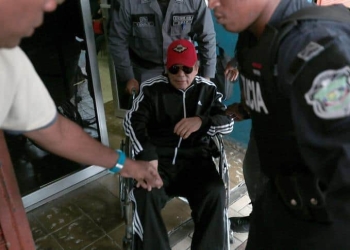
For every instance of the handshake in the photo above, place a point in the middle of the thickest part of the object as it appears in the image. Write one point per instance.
(145, 173)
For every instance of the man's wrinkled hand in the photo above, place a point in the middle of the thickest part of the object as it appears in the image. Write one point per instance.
(231, 73)
(132, 85)
(153, 164)
(143, 172)
(187, 126)
(233, 111)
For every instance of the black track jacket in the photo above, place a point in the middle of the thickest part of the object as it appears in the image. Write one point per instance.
(159, 107)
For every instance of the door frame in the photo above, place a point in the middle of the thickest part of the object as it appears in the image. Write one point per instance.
(66, 184)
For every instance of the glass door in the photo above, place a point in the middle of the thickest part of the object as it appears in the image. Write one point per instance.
(63, 52)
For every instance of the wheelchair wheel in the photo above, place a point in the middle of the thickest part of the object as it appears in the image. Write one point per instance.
(125, 186)
(224, 173)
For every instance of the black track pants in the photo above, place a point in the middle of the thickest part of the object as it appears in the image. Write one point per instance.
(200, 183)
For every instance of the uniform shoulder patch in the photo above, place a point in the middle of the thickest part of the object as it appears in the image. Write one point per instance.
(330, 94)
(310, 51)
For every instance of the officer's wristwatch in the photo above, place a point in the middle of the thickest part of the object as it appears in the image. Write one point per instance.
(120, 163)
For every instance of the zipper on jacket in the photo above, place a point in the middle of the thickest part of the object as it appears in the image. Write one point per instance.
(185, 114)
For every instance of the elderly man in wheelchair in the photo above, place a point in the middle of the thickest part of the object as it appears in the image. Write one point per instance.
(170, 124)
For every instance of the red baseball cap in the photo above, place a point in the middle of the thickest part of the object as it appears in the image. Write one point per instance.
(181, 52)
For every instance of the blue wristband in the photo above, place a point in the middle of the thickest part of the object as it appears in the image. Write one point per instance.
(120, 163)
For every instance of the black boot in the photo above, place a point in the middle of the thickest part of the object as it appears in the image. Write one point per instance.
(240, 224)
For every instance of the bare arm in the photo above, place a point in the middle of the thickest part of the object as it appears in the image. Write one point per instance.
(68, 140)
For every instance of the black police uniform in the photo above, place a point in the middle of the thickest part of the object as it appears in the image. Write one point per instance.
(302, 127)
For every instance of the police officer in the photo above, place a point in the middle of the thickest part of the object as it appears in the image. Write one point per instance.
(141, 31)
(299, 105)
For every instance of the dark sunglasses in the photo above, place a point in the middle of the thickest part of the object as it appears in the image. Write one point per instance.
(175, 69)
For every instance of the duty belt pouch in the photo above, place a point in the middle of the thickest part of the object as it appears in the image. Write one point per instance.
(314, 198)
(303, 197)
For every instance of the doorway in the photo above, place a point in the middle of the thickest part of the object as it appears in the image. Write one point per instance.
(63, 52)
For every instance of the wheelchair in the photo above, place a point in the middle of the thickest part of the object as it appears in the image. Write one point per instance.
(127, 184)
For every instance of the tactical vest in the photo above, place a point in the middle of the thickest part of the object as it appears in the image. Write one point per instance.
(270, 109)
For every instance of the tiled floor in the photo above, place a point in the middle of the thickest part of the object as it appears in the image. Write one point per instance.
(241, 207)
(89, 218)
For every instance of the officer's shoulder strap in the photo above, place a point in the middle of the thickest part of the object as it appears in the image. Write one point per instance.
(336, 13)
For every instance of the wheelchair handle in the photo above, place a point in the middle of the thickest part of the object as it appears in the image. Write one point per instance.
(132, 98)
(133, 93)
